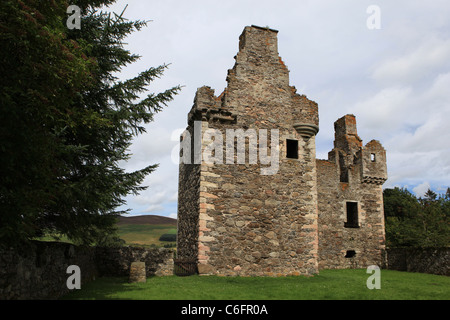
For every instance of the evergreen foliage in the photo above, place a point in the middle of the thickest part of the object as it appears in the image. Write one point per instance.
(168, 237)
(416, 222)
(67, 120)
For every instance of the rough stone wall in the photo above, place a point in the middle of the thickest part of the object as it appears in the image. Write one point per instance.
(259, 225)
(188, 206)
(354, 246)
(250, 223)
(39, 271)
(116, 262)
(425, 260)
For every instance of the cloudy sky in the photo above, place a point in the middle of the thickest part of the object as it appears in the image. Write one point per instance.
(395, 79)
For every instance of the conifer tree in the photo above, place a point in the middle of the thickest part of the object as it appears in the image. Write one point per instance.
(416, 222)
(67, 120)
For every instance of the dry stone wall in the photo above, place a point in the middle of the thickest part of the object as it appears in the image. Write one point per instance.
(115, 262)
(424, 260)
(39, 271)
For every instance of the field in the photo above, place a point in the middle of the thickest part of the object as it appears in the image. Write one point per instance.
(328, 285)
(143, 231)
(146, 230)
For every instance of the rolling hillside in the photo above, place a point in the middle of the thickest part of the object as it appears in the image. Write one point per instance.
(146, 230)
(147, 219)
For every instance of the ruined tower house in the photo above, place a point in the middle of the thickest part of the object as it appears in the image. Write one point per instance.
(304, 215)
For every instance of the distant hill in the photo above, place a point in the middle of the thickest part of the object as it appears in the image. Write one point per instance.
(147, 230)
(147, 219)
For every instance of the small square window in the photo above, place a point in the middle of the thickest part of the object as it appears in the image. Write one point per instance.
(373, 157)
(291, 149)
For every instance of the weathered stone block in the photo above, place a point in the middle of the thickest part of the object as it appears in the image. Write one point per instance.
(205, 269)
(137, 272)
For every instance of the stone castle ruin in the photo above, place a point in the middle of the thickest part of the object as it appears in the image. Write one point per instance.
(303, 215)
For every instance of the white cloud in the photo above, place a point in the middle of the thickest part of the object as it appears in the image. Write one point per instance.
(385, 111)
(154, 208)
(395, 80)
(174, 197)
(173, 215)
(153, 198)
(429, 57)
(409, 115)
(421, 189)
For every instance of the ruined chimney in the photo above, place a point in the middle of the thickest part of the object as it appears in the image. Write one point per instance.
(259, 41)
(345, 135)
(258, 60)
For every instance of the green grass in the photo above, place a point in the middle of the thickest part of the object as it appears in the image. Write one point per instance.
(145, 234)
(329, 284)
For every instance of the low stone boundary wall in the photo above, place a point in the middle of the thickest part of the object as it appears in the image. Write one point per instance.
(424, 260)
(115, 262)
(40, 270)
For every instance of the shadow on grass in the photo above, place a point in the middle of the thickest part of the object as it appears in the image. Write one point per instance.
(107, 289)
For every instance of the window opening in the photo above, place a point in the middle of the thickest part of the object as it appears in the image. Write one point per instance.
(350, 254)
(352, 215)
(344, 171)
(291, 149)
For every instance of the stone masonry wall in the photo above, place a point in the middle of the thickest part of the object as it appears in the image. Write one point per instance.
(349, 175)
(115, 262)
(39, 271)
(335, 240)
(188, 206)
(251, 223)
(258, 225)
(425, 260)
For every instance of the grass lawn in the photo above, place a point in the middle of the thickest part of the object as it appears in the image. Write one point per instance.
(329, 284)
